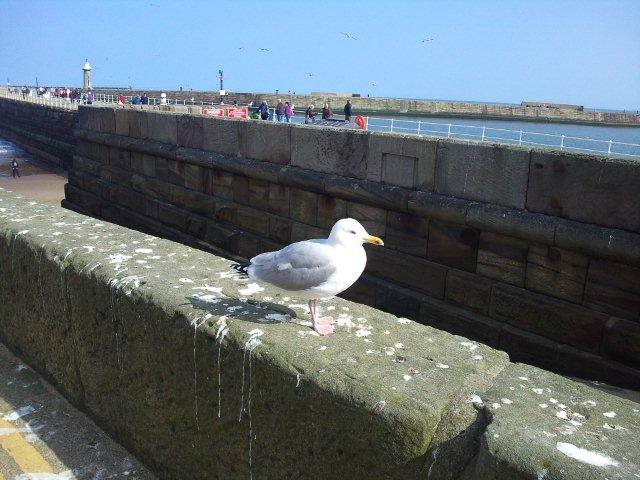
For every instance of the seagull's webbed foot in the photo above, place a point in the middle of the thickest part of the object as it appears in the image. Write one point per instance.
(322, 326)
(325, 321)
(323, 329)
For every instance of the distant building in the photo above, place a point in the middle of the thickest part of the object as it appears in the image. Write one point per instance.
(86, 75)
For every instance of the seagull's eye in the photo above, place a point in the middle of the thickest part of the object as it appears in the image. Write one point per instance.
(352, 231)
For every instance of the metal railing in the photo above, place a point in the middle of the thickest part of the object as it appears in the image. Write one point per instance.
(412, 127)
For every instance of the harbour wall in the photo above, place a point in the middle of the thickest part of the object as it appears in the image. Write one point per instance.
(203, 376)
(418, 108)
(44, 131)
(533, 252)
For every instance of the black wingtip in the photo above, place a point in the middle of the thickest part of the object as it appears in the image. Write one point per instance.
(241, 267)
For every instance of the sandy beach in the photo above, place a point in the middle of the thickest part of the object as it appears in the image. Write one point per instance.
(38, 180)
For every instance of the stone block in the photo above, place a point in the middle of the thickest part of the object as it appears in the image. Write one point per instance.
(438, 207)
(406, 233)
(343, 152)
(366, 191)
(194, 177)
(137, 124)
(556, 272)
(252, 220)
(193, 201)
(373, 219)
(225, 212)
(120, 158)
(486, 173)
(87, 118)
(190, 131)
(221, 136)
(514, 223)
(258, 193)
(172, 216)
(240, 186)
(608, 243)
(460, 321)
(86, 165)
(302, 231)
(586, 188)
(469, 291)
(503, 258)
(527, 347)
(267, 141)
(403, 160)
(622, 341)
(121, 117)
(197, 226)
(221, 236)
(453, 245)
(246, 245)
(330, 210)
(555, 319)
(128, 198)
(280, 229)
(361, 292)
(301, 178)
(398, 301)
(613, 288)
(406, 270)
(170, 171)
(278, 199)
(303, 206)
(222, 184)
(106, 120)
(162, 127)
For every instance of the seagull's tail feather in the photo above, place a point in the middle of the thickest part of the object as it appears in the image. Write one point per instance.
(241, 267)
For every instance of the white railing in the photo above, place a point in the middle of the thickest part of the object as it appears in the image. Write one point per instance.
(413, 127)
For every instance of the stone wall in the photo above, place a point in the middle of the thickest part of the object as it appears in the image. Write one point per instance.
(42, 130)
(202, 375)
(534, 252)
(422, 108)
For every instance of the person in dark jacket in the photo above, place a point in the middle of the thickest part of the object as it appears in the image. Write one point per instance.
(326, 112)
(347, 111)
(280, 111)
(309, 115)
(144, 100)
(14, 168)
(263, 110)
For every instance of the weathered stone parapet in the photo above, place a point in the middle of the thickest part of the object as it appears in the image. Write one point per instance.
(202, 374)
(614, 244)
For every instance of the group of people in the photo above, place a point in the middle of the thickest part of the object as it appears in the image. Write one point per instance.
(327, 113)
(284, 111)
(72, 95)
(140, 99)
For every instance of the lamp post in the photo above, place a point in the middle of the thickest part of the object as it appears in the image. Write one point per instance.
(221, 77)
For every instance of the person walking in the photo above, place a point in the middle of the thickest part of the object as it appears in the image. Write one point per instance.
(326, 112)
(288, 112)
(347, 111)
(14, 168)
(280, 111)
(263, 110)
(309, 115)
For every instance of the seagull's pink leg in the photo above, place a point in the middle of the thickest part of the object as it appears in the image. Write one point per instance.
(322, 320)
(324, 328)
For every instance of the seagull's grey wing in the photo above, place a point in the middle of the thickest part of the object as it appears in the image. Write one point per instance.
(297, 267)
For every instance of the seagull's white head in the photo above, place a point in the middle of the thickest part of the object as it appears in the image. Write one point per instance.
(349, 232)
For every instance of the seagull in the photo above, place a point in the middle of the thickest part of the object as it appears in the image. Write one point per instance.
(425, 40)
(310, 74)
(265, 50)
(348, 35)
(315, 269)
(373, 84)
(240, 48)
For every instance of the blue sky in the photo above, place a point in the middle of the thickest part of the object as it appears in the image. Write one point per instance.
(584, 52)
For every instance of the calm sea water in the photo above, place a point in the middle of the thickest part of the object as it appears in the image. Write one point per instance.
(577, 137)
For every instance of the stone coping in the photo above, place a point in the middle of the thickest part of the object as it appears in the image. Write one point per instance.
(141, 332)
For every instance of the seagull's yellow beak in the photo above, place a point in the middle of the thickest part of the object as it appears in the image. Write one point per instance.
(372, 239)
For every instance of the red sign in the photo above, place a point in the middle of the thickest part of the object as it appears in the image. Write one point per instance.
(213, 112)
(238, 112)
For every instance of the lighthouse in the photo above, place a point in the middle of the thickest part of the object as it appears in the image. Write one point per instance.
(86, 75)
